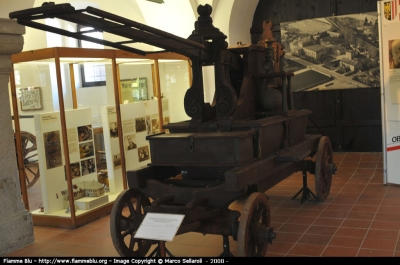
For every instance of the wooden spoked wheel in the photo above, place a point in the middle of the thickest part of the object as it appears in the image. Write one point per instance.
(30, 157)
(126, 216)
(324, 169)
(254, 224)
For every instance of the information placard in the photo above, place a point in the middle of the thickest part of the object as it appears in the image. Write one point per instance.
(389, 47)
(159, 226)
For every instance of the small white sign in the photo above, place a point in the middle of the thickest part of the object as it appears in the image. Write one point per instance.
(159, 226)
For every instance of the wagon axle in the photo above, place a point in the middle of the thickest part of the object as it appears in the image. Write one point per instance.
(264, 234)
(261, 234)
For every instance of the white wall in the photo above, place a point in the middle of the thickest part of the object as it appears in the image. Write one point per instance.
(7, 6)
(174, 82)
(240, 21)
(130, 71)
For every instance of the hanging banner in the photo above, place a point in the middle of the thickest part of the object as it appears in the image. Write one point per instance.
(389, 42)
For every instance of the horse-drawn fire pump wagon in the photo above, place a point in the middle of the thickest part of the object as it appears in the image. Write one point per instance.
(246, 141)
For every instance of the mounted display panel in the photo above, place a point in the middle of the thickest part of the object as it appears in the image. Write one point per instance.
(31, 98)
(389, 40)
(134, 89)
(332, 52)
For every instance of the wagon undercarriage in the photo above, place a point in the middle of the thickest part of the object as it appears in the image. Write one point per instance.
(205, 203)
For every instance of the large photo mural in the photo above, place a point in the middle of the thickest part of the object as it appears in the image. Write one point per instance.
(332, 53)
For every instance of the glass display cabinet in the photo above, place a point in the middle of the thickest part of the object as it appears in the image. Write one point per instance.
(81, 117)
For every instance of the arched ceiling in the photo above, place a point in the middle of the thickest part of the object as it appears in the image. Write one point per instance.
(233, 17)
(241, 20)
(7, 6)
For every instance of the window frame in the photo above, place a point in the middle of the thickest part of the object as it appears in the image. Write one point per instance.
(82, 66)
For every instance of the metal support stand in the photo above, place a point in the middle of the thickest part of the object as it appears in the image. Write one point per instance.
(226, 252)
(307, 193)
(160, 251)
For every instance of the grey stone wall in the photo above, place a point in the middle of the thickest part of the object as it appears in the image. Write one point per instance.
(16, 228)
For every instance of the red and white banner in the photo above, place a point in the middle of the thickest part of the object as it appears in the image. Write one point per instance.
(389, 49)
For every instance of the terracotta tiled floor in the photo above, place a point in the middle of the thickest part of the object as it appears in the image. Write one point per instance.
(361, 217)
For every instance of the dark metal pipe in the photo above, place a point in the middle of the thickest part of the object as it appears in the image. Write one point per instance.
(46, 9)
(291, 102)
(284, 94)
(272, 75)
(40, 26)
(130, 23)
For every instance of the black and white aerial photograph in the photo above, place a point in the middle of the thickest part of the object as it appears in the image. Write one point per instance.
(336, 52)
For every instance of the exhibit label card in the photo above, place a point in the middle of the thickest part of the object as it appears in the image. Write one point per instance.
(159, 226)
(49, 118)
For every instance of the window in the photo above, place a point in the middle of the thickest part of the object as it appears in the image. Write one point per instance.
(92, 74)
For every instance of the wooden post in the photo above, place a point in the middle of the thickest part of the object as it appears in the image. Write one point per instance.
(17, 135)
(158, 90)
(73, 88)
(64, 136)
(119, 120)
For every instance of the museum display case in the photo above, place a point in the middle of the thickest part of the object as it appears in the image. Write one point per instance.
(174, 77)
(83, 116)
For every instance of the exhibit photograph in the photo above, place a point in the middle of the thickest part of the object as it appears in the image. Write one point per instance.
(337, 52)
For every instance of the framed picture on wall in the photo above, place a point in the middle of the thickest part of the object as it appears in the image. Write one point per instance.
(31, 98)
(337, 52)
(134, 89)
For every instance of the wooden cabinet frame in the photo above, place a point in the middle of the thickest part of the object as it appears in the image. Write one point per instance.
(61, 52)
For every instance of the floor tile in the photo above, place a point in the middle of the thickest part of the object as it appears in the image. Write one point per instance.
(322, 230)
(367, 201)
(279, 247)
(350, 242)
(380, 244)
(360, 215)
(339, 200)
(390, 201)
(338, 207)
(306, 220)
(368, 164)
(280, 218)
(293, 228)
(374, 253)
(332, 251)
(281, 211)
(306, 212)
(382, 234)
(272, 254)
(287, 237)
(349, 164)
(322, 221)
(394, 216)
(334, 214)
(313, 239)
(365, 208)
(387, 225)
(351, 232)
(356, 223)
(307, 250)
(62, 248)
(352, 157)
